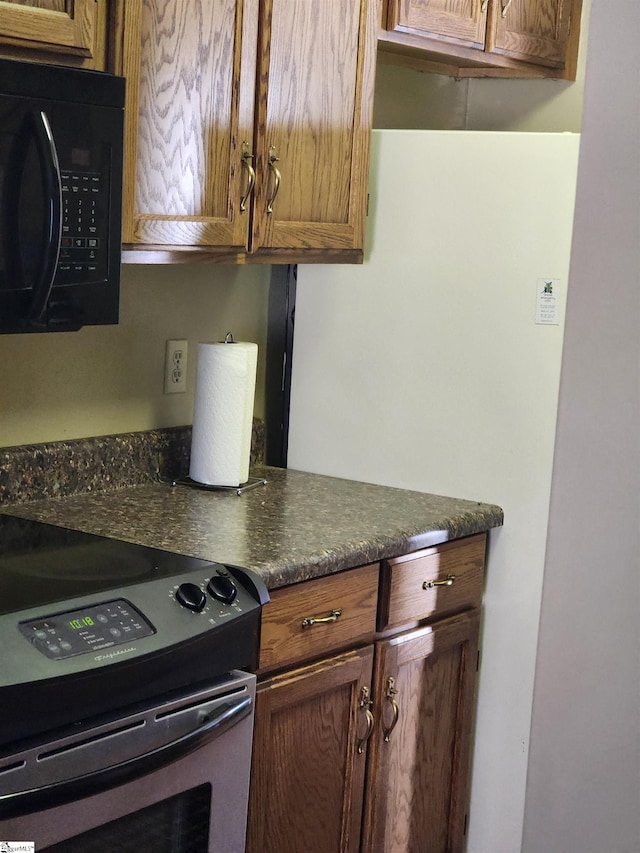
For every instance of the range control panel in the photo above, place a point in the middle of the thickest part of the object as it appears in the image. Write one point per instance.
(90, 629)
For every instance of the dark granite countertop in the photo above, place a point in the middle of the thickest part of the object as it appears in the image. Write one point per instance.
(297, 526)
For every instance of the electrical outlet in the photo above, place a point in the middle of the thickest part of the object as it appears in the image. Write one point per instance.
(175, 367)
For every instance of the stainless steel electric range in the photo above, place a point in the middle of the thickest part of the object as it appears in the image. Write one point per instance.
(125, 713)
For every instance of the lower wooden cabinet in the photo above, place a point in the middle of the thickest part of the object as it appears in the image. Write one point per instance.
(309, 759)
(417, 767)
(367, 749)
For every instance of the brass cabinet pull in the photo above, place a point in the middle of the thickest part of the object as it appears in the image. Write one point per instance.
(505, 7)
(483, 7)
(247, 157)
(389, 696)
(308, 621)
(365, 704)
(431, 584)
(276, 177)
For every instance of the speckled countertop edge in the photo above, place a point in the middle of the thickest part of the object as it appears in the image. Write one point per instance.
(297, 527)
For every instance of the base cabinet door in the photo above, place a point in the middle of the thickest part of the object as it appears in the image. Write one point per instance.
(309, 757)
(418, 763)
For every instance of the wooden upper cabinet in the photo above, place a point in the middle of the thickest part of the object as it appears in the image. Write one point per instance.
(462, 20)
(69, 32)
(474, 38)
(190, 97)
(314, 116)
(534, 32)
(248, 126)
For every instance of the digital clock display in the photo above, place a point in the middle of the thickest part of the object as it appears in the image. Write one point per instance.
(81, 622)
(87, 630)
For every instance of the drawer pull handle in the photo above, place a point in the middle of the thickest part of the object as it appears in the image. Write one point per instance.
(318, 620)
(389, 696)
(365, 704)
(431, 584)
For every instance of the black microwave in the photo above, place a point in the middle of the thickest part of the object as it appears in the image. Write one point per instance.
(61, 149)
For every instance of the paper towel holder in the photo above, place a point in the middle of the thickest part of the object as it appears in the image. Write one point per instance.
(251, 483)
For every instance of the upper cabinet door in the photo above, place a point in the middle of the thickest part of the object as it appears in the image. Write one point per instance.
(461, 20)
(532, 30)
(190, 68)
(315, 99)
(62, 26)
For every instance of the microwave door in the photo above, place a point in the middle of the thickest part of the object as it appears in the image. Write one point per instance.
(36, 131)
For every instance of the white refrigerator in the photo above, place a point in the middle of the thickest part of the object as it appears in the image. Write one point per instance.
(435, 366)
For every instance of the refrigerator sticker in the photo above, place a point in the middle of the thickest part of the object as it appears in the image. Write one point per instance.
(548, 301)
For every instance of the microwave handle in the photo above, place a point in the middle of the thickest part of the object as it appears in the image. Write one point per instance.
(52, 232)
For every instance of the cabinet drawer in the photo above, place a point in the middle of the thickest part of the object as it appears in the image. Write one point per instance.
(286, 638)
(431, 583)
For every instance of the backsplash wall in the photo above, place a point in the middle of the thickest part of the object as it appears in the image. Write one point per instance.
(109, 379)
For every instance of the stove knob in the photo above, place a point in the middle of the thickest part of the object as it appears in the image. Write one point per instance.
(222, 588)
(191, 596)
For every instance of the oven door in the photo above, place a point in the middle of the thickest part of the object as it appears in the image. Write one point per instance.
(170, 778)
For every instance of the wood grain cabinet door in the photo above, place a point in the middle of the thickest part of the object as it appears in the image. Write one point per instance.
(309, 754)
(190, 68)
(316, 78)
(417, 778)
(62, 26)
(464, 21)
(535, 31)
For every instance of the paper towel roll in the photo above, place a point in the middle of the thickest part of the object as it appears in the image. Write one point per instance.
(223, 413)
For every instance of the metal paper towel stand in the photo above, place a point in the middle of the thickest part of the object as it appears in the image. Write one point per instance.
(251, 483)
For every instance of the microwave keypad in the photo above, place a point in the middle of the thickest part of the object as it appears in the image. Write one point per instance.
(81, 251)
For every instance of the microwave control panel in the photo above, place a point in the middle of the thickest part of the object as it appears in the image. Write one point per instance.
(83, 250)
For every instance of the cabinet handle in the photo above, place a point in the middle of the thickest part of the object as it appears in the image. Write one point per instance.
(365, 704)
(247, 157)
(389, 696)
(431, 584)
(483, 7)
(505, 8)
(276, 177)
(308, 621)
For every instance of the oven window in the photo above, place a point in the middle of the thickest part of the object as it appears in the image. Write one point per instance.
(179, 824)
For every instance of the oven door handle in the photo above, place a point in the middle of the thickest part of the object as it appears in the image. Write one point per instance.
(221, 719)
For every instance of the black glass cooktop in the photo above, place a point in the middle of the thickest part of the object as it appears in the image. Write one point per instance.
(41, 564)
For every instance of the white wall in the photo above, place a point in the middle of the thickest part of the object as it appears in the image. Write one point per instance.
(583, 791)
(424, 369)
